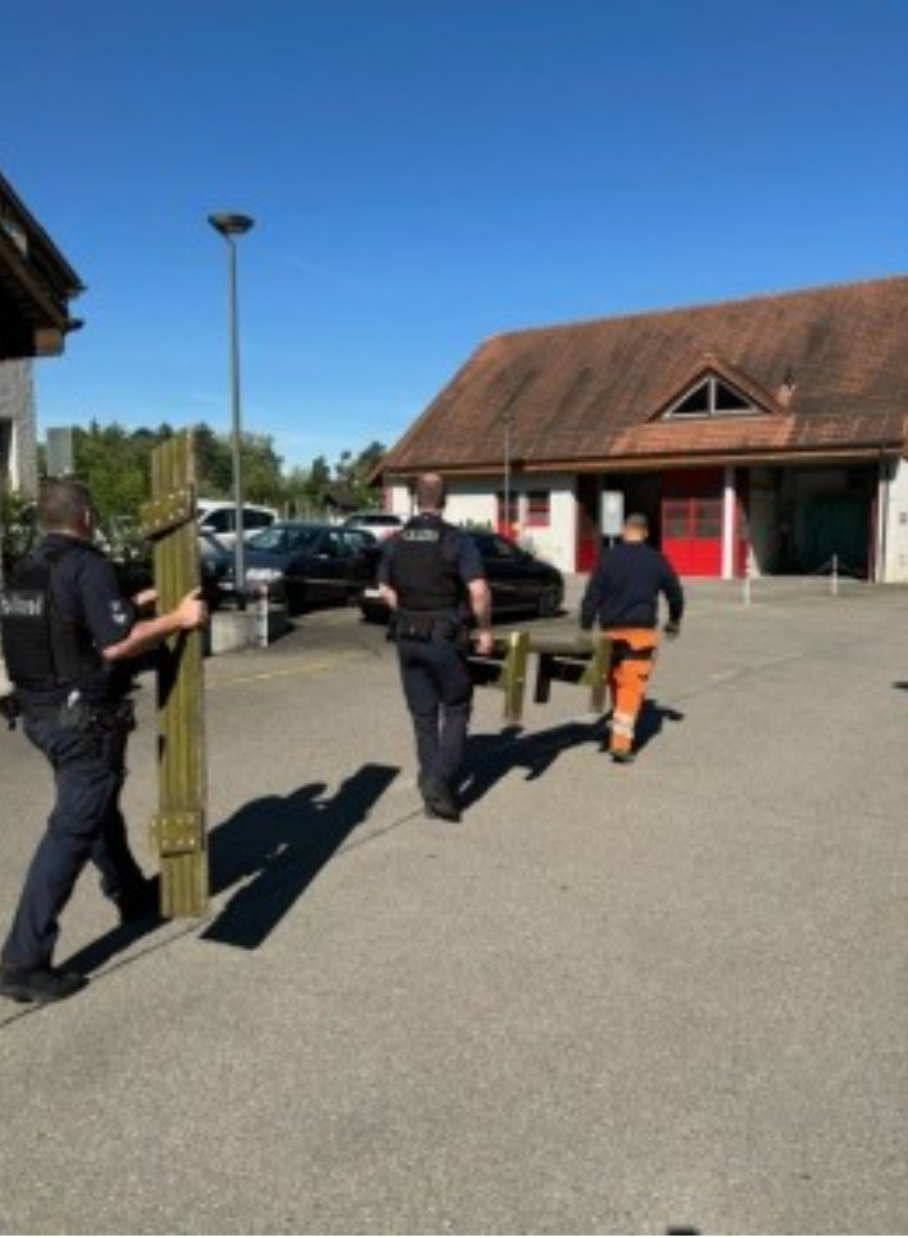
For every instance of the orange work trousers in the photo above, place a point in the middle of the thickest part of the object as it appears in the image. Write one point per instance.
(633, 656)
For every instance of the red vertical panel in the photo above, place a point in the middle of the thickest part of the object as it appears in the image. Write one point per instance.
(588, 534)
(692, 521)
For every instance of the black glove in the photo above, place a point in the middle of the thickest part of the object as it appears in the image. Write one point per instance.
(672, 629)
(9, 710)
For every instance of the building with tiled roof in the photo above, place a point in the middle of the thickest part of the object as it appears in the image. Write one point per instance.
(36, 286)
(766, 434)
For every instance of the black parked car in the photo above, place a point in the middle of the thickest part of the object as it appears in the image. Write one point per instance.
(520, 583)
(308, 563)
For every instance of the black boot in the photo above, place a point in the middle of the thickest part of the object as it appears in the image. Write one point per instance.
(438, 800)
(139, 902)
(39, 984)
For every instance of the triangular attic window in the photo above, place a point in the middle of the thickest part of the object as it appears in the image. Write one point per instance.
(712, 398)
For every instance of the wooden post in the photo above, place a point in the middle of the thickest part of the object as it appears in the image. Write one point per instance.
(506, 670)
(178, 831)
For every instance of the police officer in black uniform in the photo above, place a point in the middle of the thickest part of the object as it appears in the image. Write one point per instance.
(68, 638)
(432, 577)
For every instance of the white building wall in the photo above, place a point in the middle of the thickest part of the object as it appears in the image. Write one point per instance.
(397, 499)
(472, 502)
(894, 525)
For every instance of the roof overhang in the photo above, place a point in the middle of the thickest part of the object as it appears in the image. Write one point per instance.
(36, 285)
(648, 464)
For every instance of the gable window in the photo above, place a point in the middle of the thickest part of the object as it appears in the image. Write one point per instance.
(712, 398)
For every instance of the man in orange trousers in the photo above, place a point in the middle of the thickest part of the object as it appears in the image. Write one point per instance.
(623, 597)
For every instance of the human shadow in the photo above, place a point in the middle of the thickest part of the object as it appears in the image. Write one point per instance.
(653, 717)
(901, 685)
(278, 845)
(489, 758)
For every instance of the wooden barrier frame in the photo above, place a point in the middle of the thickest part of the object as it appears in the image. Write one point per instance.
(178, 831)
(576, 660)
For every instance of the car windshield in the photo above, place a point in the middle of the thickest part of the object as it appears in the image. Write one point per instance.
(282, 538)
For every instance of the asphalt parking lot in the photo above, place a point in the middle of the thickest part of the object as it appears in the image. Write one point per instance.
(613, 1000)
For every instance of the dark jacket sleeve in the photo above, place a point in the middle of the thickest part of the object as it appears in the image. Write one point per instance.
(592, 598)
(674, 594)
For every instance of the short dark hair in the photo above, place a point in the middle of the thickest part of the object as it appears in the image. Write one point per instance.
(63, 503)
(636, 520)
(430, 492)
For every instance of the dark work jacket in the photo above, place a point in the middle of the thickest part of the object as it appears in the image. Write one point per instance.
(623, 591)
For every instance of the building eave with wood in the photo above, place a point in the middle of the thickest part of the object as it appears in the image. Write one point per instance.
(36, 287)
(764, 434)
(36, 284)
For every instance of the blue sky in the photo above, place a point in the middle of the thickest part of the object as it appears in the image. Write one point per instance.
(425, 174)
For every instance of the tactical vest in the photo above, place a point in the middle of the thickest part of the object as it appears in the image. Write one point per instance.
(43, 648)
(424, 568)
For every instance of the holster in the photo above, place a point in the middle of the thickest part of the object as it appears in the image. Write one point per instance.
(415, 627)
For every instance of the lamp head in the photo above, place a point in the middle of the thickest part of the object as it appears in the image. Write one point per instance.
(229, 224)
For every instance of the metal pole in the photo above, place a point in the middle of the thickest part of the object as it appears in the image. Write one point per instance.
(882, 520)
(507, 474)
(239, 556)
(230, 226)
(748, 575)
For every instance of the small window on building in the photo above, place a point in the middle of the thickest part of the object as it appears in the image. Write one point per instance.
(538, 509)
(712, 398)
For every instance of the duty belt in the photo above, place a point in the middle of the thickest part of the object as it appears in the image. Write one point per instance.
(426, 625)
(75, 714)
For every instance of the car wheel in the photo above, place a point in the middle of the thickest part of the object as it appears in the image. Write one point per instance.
(550, 602)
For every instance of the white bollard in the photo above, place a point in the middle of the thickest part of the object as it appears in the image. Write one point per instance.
(834, 576)
(748, 575)
(262, 616)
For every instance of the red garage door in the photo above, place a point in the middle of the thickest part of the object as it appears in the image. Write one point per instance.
(692, 522)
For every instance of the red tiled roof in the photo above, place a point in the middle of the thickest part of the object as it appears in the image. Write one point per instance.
(585, 394)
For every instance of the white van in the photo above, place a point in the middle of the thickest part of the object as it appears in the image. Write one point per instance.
(218, 516)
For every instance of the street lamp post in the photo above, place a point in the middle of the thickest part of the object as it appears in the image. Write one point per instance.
(231, 226)
(507, 417)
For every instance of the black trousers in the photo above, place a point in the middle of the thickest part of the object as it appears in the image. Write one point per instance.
(439, 695)
(85, 825)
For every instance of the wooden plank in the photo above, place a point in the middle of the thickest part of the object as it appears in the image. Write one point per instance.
(178, 831)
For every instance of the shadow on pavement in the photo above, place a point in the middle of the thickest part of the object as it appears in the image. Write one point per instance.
(279, 844)
(653, 717)
(490, 758)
